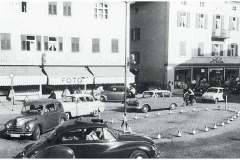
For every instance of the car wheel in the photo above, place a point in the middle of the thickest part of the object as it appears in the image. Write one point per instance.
(173, 106)
(103, 99)
(138, 154)
(36, 133)
(216, 101)
(145, 108)
(68, 115)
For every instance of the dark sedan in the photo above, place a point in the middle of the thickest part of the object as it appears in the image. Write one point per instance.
(115, 93)
(38, 116)
(90, 139)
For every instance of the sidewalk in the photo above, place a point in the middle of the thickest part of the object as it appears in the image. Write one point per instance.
(7, 108)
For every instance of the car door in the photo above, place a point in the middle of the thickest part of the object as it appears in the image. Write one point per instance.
(52, 115)
(82, 106)
(58, 112)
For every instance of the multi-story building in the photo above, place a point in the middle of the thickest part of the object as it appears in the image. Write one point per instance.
(62, 44)
(185, 42)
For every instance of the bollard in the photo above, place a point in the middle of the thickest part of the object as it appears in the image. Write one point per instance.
(215, 126)
(194, 132)
(206, 109)
(179, 133)
(231, 119)
(135, 117)
(112, 121)
(206, 129)
(146, 116)
(222, 124)
(226, 108)
(228, 121)
(159, 136)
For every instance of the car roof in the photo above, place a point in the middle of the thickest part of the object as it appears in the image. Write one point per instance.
(217, 87)
(157, 90)
(81, 123)
(41, 101)
(80, 95)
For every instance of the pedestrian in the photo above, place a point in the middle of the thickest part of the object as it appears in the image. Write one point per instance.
(52, 95)
(124, 122)
(11, 95)
(132, 92)
(66, 92)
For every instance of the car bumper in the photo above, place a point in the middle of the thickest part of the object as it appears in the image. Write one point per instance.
(133, 107)
(17, 134)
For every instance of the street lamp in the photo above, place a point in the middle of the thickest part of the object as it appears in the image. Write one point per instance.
(12, 90)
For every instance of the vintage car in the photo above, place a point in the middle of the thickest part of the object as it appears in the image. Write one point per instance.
(82, 104)
(153, 99)
(70, 140)
(214, 94)
(38, 116)
(115, 93)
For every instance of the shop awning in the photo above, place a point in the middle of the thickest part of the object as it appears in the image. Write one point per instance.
(21, 75)
(59, 75)
(111, 75)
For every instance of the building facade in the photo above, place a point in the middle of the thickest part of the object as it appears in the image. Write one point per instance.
(62, 44)
(185, 42)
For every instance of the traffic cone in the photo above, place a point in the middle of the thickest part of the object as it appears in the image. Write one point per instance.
(194, 109)
(237, 115)
(222, 124)
(181, 111)
(135, 117)
(159, 136)
(231, 119)
(158, 113)
(206, 129)
(194, 132)
(112, 121)
(206, 109)
(179, 133)
(234, 117)
(228, 121)
(215, 126)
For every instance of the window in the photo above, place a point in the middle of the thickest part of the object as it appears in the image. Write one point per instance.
(45, 43)
(182, 48)
(201, 21)
(101, 10)
(217, 50)
(52, 8)
(233, 23)
(60, 44)
(135, 34)
(234, 8)
(200, 49)
(75, 44)
(67, 9)
(50, 107)
(218, 21)
(183, 2)
(5, 41)
(52, 44)
(202, 4)
(38, 40)
(95, 45)
(24, 6)
(183, 19)
(232, 50)
(114, 45)
(135, 58)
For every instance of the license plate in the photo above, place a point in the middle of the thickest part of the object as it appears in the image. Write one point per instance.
(14, 135)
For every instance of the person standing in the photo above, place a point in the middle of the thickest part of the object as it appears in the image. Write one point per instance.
(52, 95)
(11, 95)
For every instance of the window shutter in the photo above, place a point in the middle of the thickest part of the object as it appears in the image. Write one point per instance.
(206, 21)
(229, 50)
(236, 54)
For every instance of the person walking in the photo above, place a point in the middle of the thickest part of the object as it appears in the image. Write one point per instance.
(124, 122)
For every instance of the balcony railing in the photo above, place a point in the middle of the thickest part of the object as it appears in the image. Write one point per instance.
(220, 34)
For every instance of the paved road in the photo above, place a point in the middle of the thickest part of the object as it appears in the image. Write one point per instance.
(217, 143)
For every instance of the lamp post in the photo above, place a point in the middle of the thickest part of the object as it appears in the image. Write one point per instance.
(12, 90)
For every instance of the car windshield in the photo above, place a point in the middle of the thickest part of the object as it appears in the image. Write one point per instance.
(212, 90)
(69, 99)
(32, 109)
(147, 94)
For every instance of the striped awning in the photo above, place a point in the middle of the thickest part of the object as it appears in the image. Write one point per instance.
(59, 75)
(21, 75)
(111, 75)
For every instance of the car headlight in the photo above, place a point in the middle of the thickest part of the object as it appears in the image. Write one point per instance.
(8, 125)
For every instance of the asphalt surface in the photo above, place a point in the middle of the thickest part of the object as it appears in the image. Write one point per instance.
(216, 143)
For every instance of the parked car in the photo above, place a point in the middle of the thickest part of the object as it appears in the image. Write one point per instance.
(71, 140)
(152, 99)
(115, 93)
(82, 104)
(214, 94)
(38, 116)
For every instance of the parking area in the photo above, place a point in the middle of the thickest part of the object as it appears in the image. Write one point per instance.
(151, 124)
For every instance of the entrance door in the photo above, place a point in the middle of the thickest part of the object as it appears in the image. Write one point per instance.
(216, 76)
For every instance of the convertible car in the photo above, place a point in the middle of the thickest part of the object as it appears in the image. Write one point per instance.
(93, 138)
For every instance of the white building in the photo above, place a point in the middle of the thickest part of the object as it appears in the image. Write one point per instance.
(61, 43)
(182, 41)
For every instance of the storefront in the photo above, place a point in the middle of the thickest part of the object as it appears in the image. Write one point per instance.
(26, 80)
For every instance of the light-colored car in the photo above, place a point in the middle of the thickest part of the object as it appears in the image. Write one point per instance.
(153, 99)
(214, 94)
(82, 104)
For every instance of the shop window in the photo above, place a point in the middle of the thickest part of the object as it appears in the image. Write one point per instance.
(52, 8)
(183, 19)
(38, 40)
(67, 9)
(60, 44)
(24, 6)
(114, 45)
(201, 21)
(182, 78)
(52, 44)
(233, 50)
(217, 50)
(5, 41)
(30, 43)
(233, 23)
(101, 10)
(75, 44)
(95, 45)
(200, 49)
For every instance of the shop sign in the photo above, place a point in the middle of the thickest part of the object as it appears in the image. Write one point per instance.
(72, 80)
(216, 60)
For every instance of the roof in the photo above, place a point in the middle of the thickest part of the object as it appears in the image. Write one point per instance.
(41, 101)
(80, 123)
